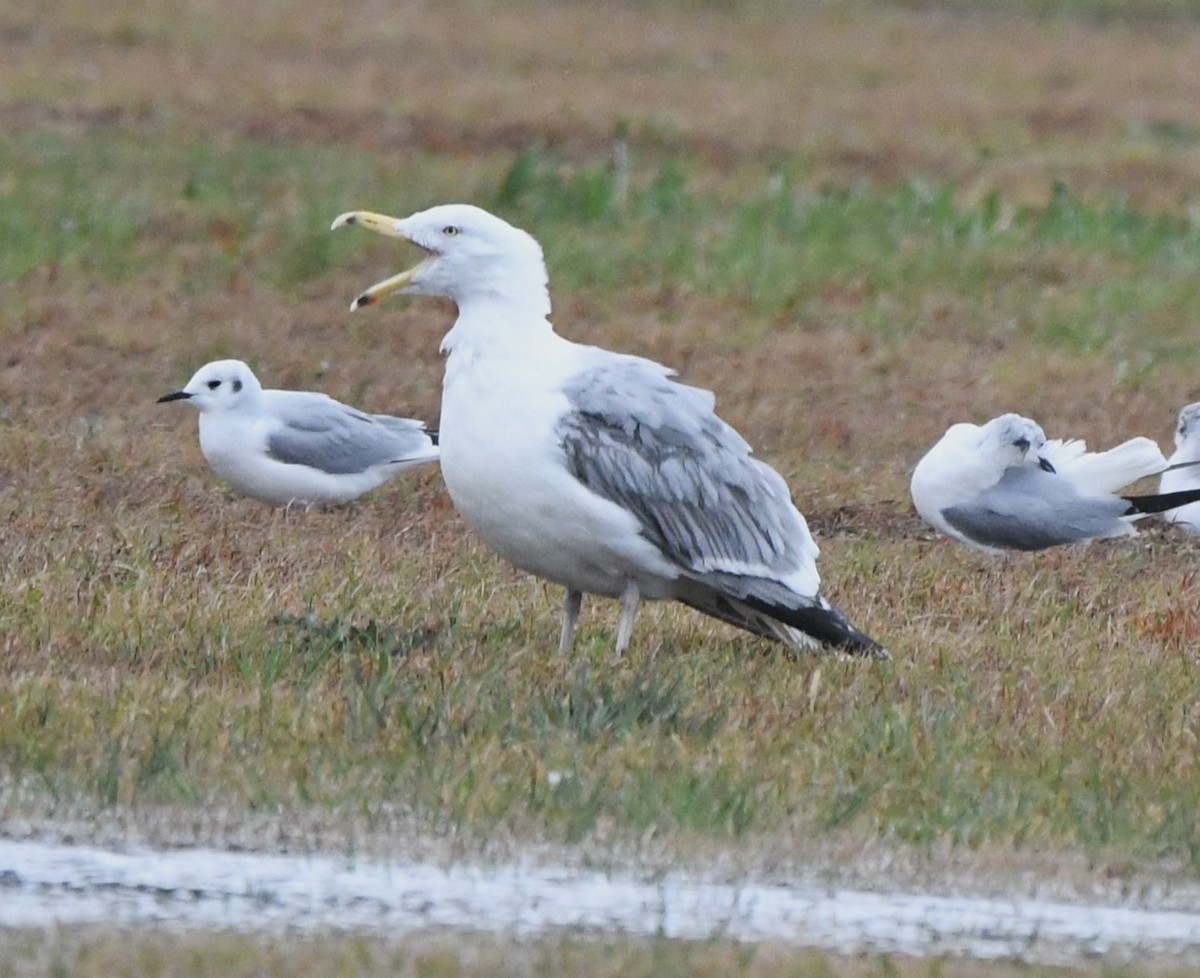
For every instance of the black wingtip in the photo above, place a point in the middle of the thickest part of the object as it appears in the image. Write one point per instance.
(858, 643)
(1160, 502)
(827, 625)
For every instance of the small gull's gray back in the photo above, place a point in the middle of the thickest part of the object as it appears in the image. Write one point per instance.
(1031, 509)
(324, 434)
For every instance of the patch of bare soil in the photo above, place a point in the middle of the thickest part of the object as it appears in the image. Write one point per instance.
(889, 519)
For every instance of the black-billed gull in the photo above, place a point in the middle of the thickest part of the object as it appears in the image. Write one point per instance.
(1003, 486)
(594, 469)
(1184, 473)
(296, 447)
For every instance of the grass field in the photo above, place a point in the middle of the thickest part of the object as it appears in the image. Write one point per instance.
(856, 223)
(97, 955)
(439, 956)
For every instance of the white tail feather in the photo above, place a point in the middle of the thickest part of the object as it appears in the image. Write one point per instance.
(1061, 453)
(1102, 473)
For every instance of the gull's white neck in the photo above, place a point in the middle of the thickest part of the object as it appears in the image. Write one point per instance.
(493, 323)
(1187, 449)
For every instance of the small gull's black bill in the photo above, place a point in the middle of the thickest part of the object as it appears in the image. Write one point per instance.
(173, 396)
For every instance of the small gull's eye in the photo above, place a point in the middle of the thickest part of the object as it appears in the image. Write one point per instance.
(450, 230)
(213, 385)
(1022, 444)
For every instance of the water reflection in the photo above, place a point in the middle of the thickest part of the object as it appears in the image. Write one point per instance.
(45, 884)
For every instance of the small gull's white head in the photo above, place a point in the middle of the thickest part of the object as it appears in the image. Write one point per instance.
(1188, 429)
(223, 385)
(470, 255)
(1010, 440)
(968, 460)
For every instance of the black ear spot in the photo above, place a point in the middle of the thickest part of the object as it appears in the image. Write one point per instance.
(237, 386)
(1022, 444)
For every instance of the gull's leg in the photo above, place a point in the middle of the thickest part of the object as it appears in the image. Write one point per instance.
(629, 604)
(572, 600)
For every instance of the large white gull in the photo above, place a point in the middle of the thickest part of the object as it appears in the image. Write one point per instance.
(595, 469)
(1184, 473)
(296, 447)
(1002, 486)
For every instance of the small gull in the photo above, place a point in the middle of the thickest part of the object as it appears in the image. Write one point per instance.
(1003, 486)
(1184, 473)
(594, 469)
(296, 447)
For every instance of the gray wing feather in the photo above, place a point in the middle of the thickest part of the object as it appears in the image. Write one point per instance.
(325, 434)
(1030, 509)
(656, 448)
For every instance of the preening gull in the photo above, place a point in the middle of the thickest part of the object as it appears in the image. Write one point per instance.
(296, 447)
(1184, 473)
(1003, 486)
(595, 469)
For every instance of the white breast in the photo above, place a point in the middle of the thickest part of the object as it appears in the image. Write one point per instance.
(236, 450)
(505, 470)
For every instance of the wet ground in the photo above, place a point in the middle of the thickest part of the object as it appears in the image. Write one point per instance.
(46, 884)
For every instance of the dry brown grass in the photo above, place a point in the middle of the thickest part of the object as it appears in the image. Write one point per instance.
(869, 91)
(437, 955)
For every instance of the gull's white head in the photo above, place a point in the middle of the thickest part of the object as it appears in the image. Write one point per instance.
(1189, 425)
(1011, 439)
(470, 255)
(970, 459)
(223, 385)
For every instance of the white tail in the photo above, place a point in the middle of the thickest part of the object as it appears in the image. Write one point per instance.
(1102, 473)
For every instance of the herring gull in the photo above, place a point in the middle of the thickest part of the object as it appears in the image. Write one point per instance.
(593, 469)
(296, 447)
(1002, 486)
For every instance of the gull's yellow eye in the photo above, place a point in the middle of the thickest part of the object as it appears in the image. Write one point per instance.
(449, 230)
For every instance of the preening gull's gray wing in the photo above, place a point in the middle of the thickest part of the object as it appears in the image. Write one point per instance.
(655, 447)
(325, 434)
(1031, 509)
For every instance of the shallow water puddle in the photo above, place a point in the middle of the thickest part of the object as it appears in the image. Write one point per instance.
(43, 884)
